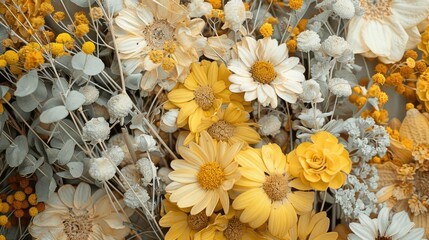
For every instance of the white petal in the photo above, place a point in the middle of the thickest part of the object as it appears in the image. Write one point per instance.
(82, 196)
(383, 220)
(145, 15)
(354, 35)
(410, 13)
(361, 231)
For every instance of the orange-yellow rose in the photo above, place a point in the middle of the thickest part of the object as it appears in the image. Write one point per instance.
(321, 164)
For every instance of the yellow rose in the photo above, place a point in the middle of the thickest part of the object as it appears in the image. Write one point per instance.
(321, 164)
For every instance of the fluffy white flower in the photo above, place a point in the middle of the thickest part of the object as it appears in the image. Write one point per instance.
(116, 154)
(101, 169)
(235, 15)
(147, 170)
(136, 196)
(96, 130)
(199, 8)
(145, 143)
(91, 94)
(118, 140)
(337, 47)
(308, 41)
(119, 106)
(339, 87)
(269, 125)
(312, 118)
(168, 121)
(344, 8)
(311, 92)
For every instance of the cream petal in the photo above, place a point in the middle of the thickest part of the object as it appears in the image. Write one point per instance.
(131, 65)
(48, 219)
(66, 194)
(239, 68)
(279, 55)
(82, 196)
(414, 37)
(114, 221)
(184, 175)
(250, 95)
(409, 13)
(133, 45)
(212, 202)
(128, 20)
(193, 197)
(245, 56)
(361, 231)
(145, 15)
(183, 191)
(224, 200)
(354, 35)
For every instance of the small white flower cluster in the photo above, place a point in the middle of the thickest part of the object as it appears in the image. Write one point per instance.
(145, 143)
(339, 87)
(311, 92)
(199, 8)
(119, 106)
(308, 41)
(136, 196)
(269, 125)
(235, 15)
(96, 130)
(147, 170)
(102, 169)
(338, 48)
(91, 94)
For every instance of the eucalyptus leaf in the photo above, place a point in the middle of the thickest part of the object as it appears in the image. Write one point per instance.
(89, 64)
(66, 152)
(74, 100)
(3, 119)
(75, 168)
(45, 186)
(3, 91)
(20, 115)
(52, 154)
(27, 103)
(54, 114)
(53, 102)
(30, 165)
(16, 152)
(27, 84)
(60, 87)
(65, 174)
(83, 3)
(133, 81)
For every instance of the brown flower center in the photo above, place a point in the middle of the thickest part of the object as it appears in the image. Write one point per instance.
(158, 33)
(421, 182)
(221, 130)
(210, 176)
(383, 238)
(77, 227)
(263, 72)
(376, 9)
(198, 221)
(276, 187)
(204, 96)
(234, 230)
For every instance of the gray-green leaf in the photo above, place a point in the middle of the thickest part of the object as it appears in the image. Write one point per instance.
(54, 114)
(27, 84)
(16, 152)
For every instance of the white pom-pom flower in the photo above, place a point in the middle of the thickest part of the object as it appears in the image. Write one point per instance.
(145, 143)
(269, 125)
(339, 87)
(91, 94)
(308, 41)
(136, 196)
(344, 8)
(311, 92)
(147, 170)
(102, 169)
(168, 121)
(199, 8)
(116, 154)
(336, 46)
(235, 15)
(119, 106)
(96, 130)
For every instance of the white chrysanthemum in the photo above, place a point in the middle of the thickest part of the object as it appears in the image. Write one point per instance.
(163, 175)
(136, 196)
(269, 125)
(308, 41)
(116, 154)
(344, 8)
(335, 46)
(235, 15)
(199, 8)
(311, 92)
(145, 143)
(168, 121)
(119, 106)
(147, 170)
(91, 94)
(101, 169)
(397, 227)
(339, 87)
(96, 130)
(263, 71)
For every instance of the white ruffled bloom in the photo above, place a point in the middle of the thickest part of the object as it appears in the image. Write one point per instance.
(308, 41)
(136, 196)
(119, 106)
(311, 92)
(339, 87)
(344, 8)
(147, 170)
(168, 121)
(96, 130)
(116, 154)
(312, 118)
(269, 125)
(101, 169)
(145, 143)
(219, 48)
(199, 8)
(235, 15)
(91, 94)
(337, 47)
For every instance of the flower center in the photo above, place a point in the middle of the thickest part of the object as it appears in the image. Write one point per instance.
(263, 72)
(198, 221)
(210, 176)
(77, 227)
(204, 96)
(221, 130)
(383, 238)
(376, 9)
(234, 230)
(158, 33)
(421, 182)
(276, 187)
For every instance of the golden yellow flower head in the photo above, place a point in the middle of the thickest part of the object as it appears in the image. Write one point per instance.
(11, 57)
(59, 16)
(65, 39)
(81, 30)
(33, 211)
(33, 60)
(321, 164)
(80, 18)
(266, 30)
(383, 98)
(216, 4)
(168, 64)
(409, 106)
(379, 78)
(3, 220)
(88, 47)
(19, 195)
(424, 45)
(295, 4)
(3, 63)
(381, 68)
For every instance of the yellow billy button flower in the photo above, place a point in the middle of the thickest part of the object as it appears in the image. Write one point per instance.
(3, 63)
(266, 30)
(88, 47)
(321, 164)
(3, 220)
(33, 211)
(295, 4)
(11, 57)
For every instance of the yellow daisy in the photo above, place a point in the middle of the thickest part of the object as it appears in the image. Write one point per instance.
(266, 190)
(202, 179)
(230, 125)
(201, 95)
(226, 227)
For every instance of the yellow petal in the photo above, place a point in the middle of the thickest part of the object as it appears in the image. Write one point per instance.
(180, 95)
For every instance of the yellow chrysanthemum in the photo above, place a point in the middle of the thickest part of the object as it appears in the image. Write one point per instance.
(265, 189)
(202, 179)
(201, 95)
(230, 125)
(321, 164)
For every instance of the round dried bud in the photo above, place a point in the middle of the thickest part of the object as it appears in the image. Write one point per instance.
(145, 143)
(119, 106)
(147, 169)
(308, 41)
(344, 9)
(168, 121)
(91, 94)
(116, 154)
(339, 87)
(96, 130)
(96, 13)
(335, 46)
(311, 91)
(269, 125)
(101, 169)
(136, 196)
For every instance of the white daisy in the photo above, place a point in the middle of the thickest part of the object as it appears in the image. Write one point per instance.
(387, 28)
(399, 227)
(159, 38)
(263, 70)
